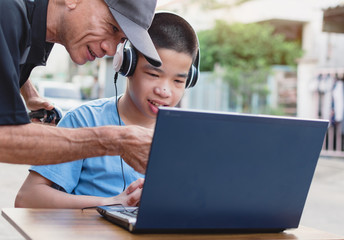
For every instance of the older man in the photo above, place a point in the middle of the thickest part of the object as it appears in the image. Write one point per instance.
(88, 29)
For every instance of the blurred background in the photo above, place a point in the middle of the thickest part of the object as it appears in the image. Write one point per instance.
(257, 56)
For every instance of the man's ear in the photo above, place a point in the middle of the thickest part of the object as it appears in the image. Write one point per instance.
(71, 4)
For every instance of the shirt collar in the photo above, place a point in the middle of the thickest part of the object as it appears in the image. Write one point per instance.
(40, 49)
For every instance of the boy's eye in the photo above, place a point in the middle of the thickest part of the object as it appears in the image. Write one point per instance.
(179, 81)
(153, 75)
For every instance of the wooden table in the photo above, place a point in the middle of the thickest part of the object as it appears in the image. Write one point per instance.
(88, 224)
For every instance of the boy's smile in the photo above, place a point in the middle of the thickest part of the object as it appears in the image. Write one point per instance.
(154, 105)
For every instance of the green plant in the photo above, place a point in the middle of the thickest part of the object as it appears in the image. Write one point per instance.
(246, 52)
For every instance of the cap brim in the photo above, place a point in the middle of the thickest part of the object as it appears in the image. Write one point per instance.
(139, 37)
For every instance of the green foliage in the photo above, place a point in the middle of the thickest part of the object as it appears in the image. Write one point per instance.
(274, 111)
(245, 46)
(48, 76)
(246, 52)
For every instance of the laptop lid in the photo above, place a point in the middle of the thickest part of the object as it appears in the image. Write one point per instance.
(223, 171)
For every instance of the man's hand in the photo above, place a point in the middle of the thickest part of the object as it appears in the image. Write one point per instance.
(36, 103)
(32, 99)
(136, 147)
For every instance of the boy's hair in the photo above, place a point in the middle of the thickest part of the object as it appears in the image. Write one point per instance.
(171, 31)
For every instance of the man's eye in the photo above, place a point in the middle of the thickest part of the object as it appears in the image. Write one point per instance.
(115, 29)
(179, 81)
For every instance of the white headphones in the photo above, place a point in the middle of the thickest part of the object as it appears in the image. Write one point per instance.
(125, 59)
(118, 57)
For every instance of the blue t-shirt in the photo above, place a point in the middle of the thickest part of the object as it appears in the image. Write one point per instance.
(98, 176)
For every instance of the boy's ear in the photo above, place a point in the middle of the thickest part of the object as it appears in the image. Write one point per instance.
(71, 4)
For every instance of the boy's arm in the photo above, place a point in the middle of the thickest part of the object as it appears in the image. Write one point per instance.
(37, 192)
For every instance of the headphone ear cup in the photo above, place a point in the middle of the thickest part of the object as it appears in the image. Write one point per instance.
(129, 62)
(192, 77)
(118, 58)
(193, 72)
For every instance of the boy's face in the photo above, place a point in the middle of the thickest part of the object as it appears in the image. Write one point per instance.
(151, 87)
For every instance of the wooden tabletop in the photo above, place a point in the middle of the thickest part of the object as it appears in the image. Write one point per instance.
(88, 224)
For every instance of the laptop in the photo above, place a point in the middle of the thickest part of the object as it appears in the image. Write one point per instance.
(216, 171)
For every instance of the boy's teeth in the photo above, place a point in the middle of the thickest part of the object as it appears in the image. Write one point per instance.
(155, 104)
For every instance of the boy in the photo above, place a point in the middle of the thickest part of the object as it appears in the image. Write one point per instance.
(86, 183)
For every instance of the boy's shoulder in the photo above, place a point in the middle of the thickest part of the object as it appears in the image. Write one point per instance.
(95, 104)
(92, 113)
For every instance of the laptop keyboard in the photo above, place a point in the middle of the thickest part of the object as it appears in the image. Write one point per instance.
(129, 213)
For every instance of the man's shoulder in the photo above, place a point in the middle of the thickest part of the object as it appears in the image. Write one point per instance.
(5, 5)
(12, 11)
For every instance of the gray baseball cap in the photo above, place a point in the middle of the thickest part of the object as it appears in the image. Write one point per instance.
(135, 17)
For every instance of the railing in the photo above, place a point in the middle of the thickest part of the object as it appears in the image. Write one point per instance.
(333, 144)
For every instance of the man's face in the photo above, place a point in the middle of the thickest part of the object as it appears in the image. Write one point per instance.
(151, 87)
(89, 31)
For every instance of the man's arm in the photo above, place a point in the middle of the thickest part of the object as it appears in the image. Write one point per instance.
(37, 144)
(37, 192)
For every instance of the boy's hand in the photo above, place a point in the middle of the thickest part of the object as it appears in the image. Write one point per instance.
(133, 192)
(136, 147)
(131, 196)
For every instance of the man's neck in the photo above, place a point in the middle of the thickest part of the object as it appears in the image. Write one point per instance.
(53, 15)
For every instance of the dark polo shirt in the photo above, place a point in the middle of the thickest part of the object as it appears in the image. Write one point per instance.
(22, 47)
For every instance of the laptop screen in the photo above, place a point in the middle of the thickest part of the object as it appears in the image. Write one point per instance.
(212, 170)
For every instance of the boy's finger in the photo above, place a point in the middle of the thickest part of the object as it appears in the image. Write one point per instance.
(134, 185)
(134, 197)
